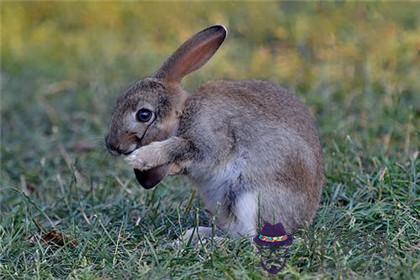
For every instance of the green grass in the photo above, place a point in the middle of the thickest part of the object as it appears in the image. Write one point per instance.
(355, 65)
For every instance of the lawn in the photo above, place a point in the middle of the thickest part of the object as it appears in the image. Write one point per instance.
(356, 65)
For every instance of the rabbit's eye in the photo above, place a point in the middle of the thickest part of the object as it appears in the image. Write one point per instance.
(144, 115)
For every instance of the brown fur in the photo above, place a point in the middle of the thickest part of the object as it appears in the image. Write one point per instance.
(249, 146)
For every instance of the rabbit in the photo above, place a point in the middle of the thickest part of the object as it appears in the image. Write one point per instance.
(251, 148)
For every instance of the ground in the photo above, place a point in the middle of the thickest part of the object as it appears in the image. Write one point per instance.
(71, 210)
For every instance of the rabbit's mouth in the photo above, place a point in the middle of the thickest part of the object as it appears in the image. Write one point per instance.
(137, 144)
(129, 152)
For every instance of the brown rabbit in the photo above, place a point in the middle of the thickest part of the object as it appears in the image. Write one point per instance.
(251, 147)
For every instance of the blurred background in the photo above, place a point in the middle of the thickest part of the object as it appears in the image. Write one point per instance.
(63, 64)
(355, 64)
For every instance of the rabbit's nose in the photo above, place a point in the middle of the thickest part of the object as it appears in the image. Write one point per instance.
(112, 147)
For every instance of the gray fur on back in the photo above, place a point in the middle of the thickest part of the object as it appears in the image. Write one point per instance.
(253, 136)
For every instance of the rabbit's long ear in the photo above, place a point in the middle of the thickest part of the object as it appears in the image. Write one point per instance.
(193, 54)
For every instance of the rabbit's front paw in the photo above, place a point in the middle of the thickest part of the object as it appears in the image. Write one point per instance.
(145, 158)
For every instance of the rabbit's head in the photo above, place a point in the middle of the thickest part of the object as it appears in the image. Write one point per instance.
(149, 109)
(146, 112)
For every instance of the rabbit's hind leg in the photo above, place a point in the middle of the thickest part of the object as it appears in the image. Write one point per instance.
(241, 221)
(199, 236)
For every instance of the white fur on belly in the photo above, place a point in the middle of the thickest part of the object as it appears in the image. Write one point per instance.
(246, 215)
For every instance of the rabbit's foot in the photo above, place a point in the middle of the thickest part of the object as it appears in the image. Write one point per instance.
(162, 152)
(195, 234)
(147, 157)
(199, 236)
